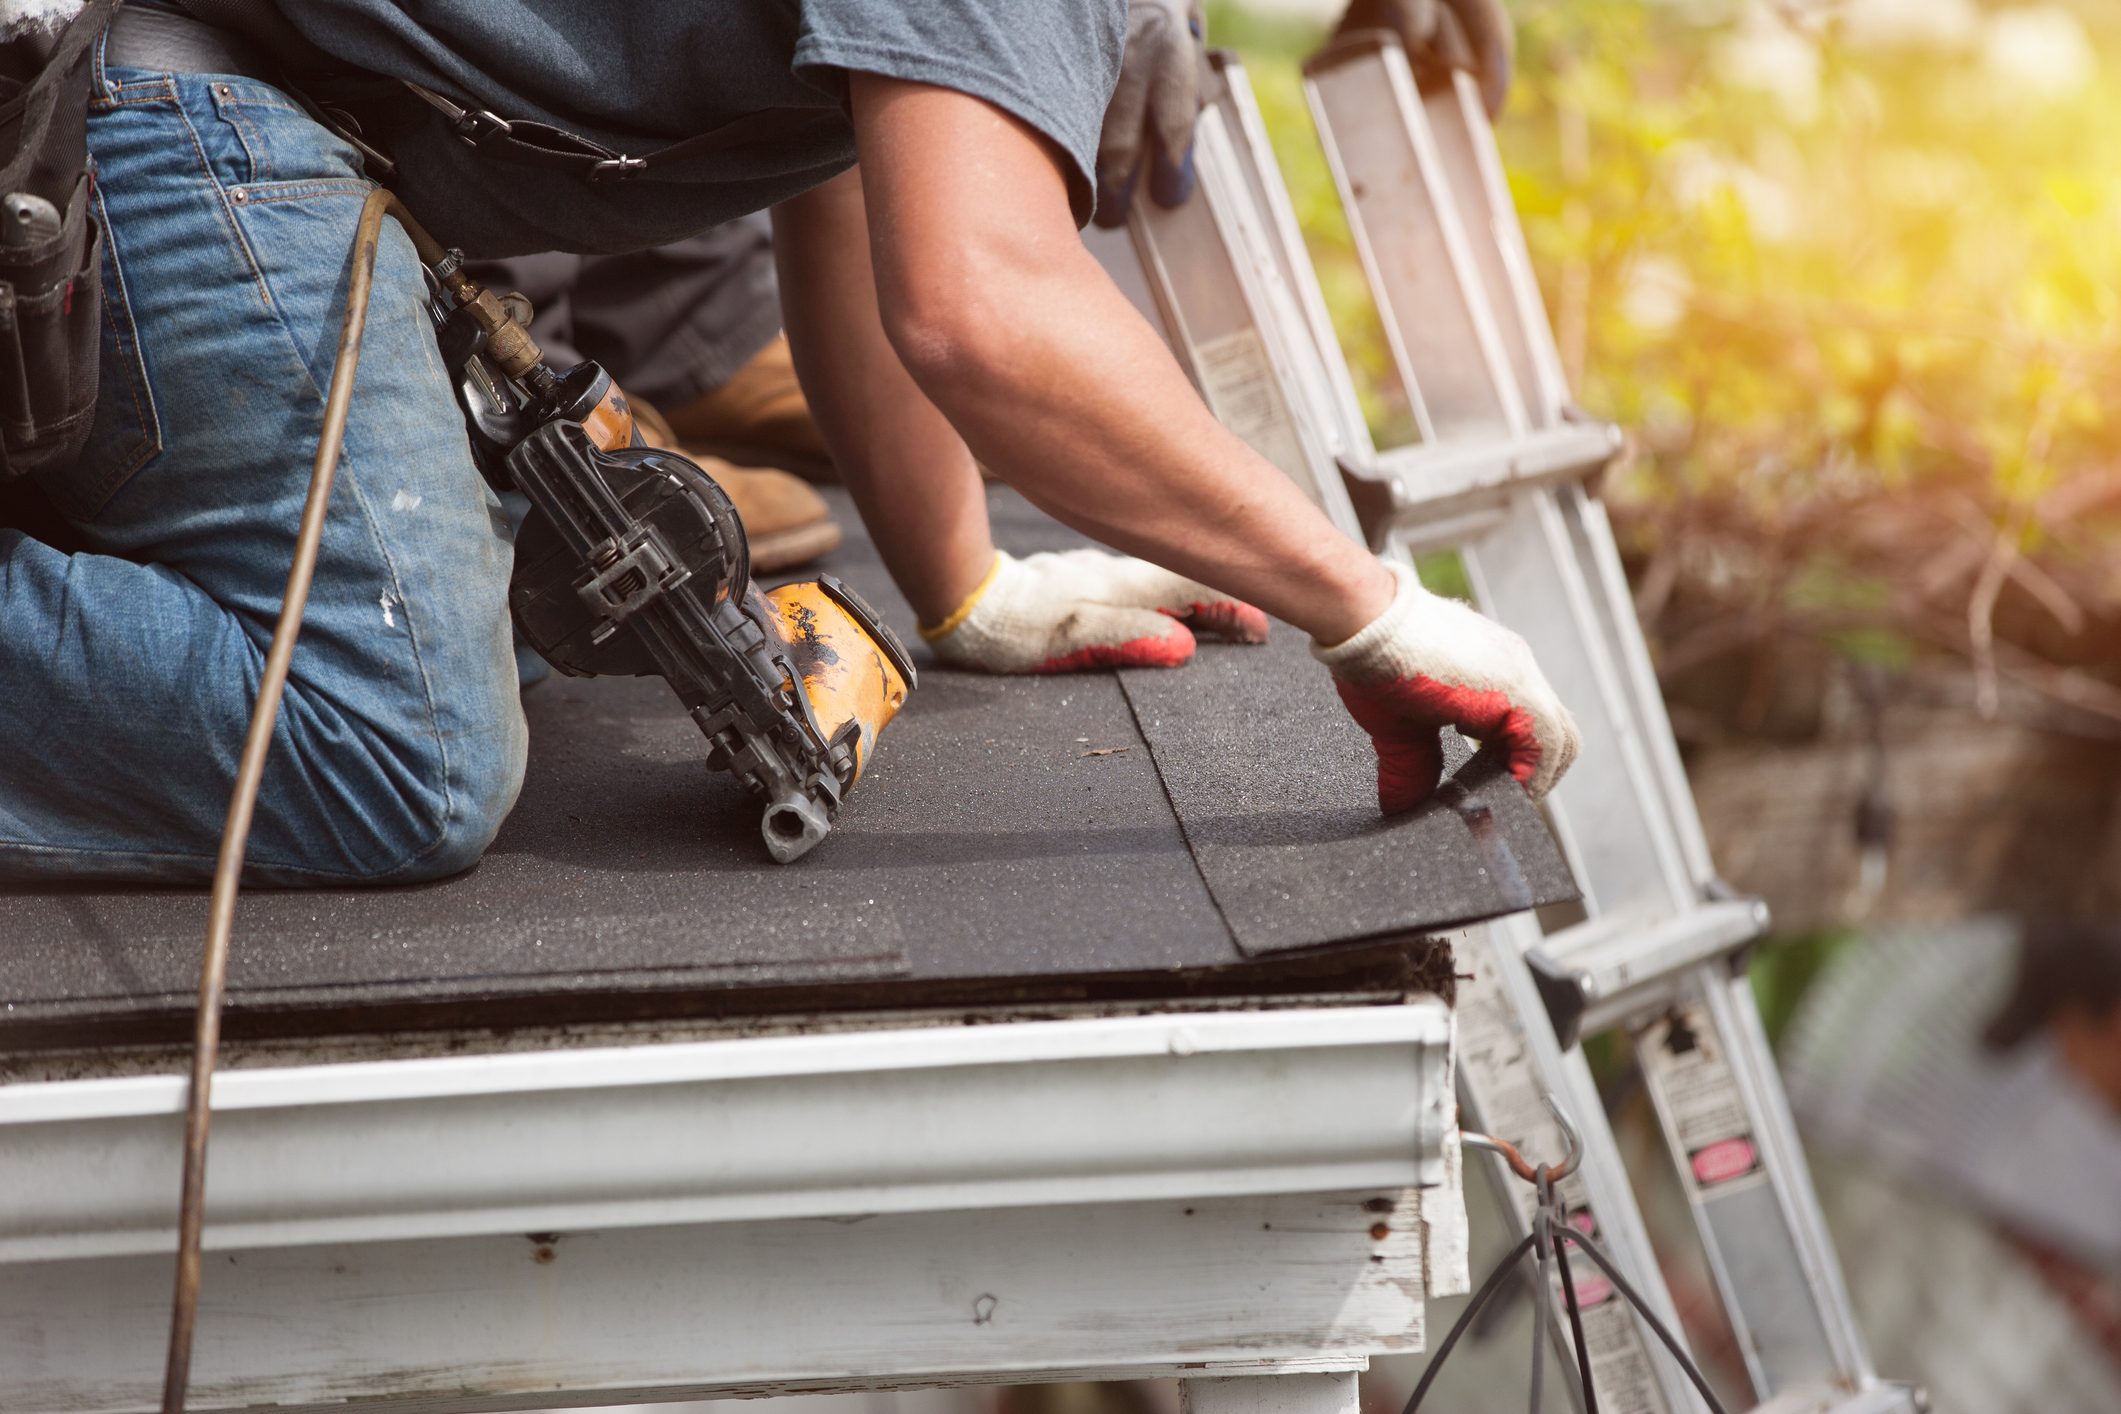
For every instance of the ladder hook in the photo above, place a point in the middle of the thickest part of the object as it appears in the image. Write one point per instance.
(1516, 1160)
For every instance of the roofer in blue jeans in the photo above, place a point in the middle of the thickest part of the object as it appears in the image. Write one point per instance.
(937, 298)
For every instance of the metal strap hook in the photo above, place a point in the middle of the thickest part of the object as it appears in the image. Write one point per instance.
(1518, 1165)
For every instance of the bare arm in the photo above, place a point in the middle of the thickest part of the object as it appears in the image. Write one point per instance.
(975, 277)
(1022, 344)
(907, 469)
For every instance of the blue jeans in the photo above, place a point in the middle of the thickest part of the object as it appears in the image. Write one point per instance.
(127, 675)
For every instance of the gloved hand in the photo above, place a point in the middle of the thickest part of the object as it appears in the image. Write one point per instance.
(1149, 122)
(1428, 662)
(1061, 613)
(1440, 35)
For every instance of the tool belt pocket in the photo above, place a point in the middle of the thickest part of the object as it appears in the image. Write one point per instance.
(51, 301)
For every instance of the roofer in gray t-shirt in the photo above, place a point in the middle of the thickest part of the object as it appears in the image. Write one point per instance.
(938, 301)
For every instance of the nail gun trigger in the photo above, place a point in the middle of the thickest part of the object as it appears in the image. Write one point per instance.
(844, 751)
(828, 790)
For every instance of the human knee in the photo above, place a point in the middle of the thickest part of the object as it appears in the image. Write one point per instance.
(477, 772)
(403, 769)
(483, 795)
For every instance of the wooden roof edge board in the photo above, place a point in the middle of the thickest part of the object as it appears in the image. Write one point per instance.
(1401, 965)
(174, 1057)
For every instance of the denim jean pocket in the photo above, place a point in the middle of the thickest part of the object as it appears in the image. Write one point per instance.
(249, 114)
(124, 433)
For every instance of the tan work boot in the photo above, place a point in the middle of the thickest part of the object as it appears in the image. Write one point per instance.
(758, 418)
(785, 521)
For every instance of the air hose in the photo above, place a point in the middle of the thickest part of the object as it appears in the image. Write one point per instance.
(235, 834)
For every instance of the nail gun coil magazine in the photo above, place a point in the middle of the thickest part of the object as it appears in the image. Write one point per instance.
(633, 562)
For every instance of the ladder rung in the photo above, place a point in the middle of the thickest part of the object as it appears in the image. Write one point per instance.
(1618, 962)
(1424, 481)
(1884, 1397)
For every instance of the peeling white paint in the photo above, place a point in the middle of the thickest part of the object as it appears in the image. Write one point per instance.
(387, 599)
(18, 16)
(405, 501)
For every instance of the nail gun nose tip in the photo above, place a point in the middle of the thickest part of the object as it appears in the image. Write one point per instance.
(792, 826)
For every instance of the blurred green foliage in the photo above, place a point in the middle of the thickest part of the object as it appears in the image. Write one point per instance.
(1443, 572)
(1847, 271)
(1802, 250)
(1782, 970)
(1800, 256)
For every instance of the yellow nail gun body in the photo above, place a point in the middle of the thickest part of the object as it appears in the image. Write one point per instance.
(633, 562)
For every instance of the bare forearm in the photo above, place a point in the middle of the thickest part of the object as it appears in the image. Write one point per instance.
(1088, 416)
(1057, 383)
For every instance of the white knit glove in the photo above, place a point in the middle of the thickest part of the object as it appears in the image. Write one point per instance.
(1427, 663)
(1061, 613)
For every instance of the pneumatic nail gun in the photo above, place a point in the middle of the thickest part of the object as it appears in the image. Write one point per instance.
(633, 562)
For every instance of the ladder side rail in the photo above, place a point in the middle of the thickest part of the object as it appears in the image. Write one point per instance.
(1193, 280)
(1463, 132)
(1509, 1059)
(1594, 530)
(1417, 404)
(1450, 223)
(1738, 1306)
(1395, 178)
(1622, 1228)
(1526, 576)
(1248, 130)
(1114, 251)
(1301, 375)
(1551, 379)
(1729, 993)
(1692, 1060)
(1234, 326)
(1436, 321)
(1456, 133)
(1778, 1285)
(1462, 159)
(1474, 167)
(1767, 1245)
(1170, 321)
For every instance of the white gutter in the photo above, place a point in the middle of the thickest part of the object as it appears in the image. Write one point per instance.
(990, 1116)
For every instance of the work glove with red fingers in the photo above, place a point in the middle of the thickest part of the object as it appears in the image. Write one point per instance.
(1427, 663)
(1061, 613)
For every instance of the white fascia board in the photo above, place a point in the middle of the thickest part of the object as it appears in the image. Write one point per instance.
(1092, 1110)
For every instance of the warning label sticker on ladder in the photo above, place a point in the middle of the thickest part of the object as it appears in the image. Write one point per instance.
(1497, 1075)
(1239, 384)
(1697, 1097)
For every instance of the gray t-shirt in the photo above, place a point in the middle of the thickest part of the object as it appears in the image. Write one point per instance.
(638, 75)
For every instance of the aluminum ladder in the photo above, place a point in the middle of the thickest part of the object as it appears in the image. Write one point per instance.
(1499, 474)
